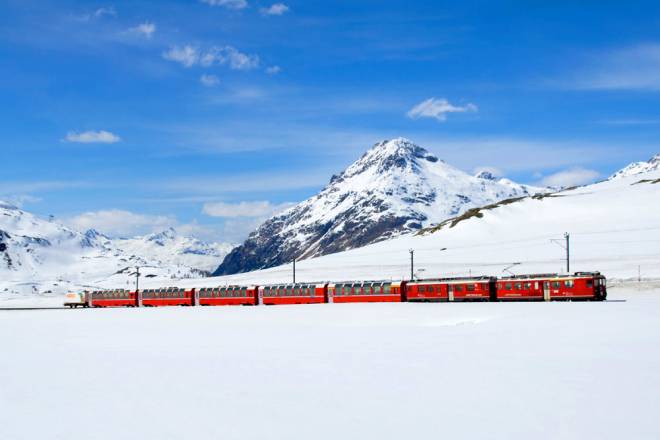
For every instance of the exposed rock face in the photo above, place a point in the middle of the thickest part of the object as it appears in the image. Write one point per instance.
(395, 187)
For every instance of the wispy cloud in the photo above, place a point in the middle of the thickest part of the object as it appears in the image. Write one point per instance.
(570, 177)
(92, 137)
(438, 109)
(243, 209)
(97, 14)
(273, 70)
(229, 4)
(629, 68)
(146, 29)
(209, 80)
(189, 56)
(274, 9)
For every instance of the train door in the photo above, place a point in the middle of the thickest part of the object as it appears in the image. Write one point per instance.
(450, 292)
(546, 290)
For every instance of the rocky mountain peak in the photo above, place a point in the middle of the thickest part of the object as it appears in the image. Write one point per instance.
(394, 188)
(486, 175)
(8, 206)
(653, 164)
(161, 237)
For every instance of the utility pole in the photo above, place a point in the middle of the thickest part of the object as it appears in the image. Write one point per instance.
(567, 236)
(294, 271)
(412, 264)
(639, 274)
(567, 247)
(137, 279)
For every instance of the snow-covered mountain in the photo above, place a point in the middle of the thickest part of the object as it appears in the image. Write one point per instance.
(170, 248)
(653, 164)
(41, 256)
(394, 188)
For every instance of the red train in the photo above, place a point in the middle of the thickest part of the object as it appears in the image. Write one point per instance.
(539, 287)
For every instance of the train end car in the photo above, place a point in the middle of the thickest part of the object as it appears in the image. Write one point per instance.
(551, 287)
(227, 296)
(76, 299)
(300, 293)
(367, 291)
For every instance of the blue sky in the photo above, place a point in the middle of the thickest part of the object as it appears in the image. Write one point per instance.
(133, 116)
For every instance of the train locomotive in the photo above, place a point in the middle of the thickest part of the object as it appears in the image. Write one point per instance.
(534, 287)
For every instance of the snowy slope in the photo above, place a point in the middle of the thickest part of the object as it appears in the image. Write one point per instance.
(614, 228)
(394, 188)
(653, 164)
(43, 256)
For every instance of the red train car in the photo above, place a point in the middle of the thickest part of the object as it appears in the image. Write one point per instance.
(170, 296)
(451, 289)
(227, 296)
(310, 293)
(367, 291)
(578, 286)
(112, 298)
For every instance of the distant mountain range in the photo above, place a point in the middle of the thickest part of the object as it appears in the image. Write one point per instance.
(396, 187)
(39, 255)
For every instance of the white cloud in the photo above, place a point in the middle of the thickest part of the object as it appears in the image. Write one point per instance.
(570, 177)
(120, 223)
(243, 209)
(146, 29)
(209, 80)
(231, 56)
(189, 56)
(184, 55)
(92, 137)
(229, 4)
(438, 109)
(629, 68)
(274, 9)
(273, 70)
(100, 12)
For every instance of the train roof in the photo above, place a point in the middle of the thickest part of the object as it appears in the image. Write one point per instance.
(480, 278)
(551, 275)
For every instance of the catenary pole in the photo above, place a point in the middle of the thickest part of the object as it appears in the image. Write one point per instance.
(412, 264)
(568, 252)
(294, 271)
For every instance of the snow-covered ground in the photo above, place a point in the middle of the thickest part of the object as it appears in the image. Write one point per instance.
(336, 371)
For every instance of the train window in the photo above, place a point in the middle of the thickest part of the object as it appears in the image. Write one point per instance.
(556, 284)
(569, 284)
(528, 286)
(508, 286)
(458, 288)
(590, 284)
(470, 287)
(518, 286)
(387, 289)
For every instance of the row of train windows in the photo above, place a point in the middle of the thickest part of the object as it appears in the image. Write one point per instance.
(450, 287)
(569, 284)
(289, 291)
(363, 290)
(170, 294)
(223, 293)
(110, 295)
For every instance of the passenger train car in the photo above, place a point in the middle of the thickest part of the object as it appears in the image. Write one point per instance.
(536, 287)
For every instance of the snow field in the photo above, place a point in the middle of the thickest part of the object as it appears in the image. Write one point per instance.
(473, 371)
